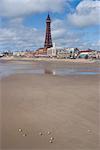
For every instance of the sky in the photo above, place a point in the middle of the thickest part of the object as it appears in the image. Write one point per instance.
(75, 23)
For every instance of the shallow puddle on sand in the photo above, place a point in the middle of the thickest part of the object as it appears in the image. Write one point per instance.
(8, 69)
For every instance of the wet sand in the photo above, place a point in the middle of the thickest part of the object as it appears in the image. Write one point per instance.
(67, 106)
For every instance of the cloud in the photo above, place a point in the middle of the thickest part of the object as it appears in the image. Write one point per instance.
(19, 37)
(68, 36)
(18, 8)
(63, 36)
(87, 13)
(58, 29)
(16, 36)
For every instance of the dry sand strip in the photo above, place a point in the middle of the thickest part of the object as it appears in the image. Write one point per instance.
(17, 59)
(68, 107)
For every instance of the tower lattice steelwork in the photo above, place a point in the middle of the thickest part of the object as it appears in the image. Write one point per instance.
(48, 39)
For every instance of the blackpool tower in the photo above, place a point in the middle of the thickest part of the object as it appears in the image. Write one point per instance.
(48, 39)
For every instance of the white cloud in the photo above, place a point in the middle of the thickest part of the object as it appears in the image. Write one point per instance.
(63, 36)
(87, 13)
(19, 37)
(58, 29)
(16, 36)
(97, 43)
(13, 8)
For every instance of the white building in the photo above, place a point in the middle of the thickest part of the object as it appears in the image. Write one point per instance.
(52, 51)
(72, 52)
(1, 54)
(61, 53)
(56, 52)
(19, 54)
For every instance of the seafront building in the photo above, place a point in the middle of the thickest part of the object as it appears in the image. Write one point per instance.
(60, 52)
(89, 54)
(52, 51)
(72, 52)
(56, 52)
(1, 54)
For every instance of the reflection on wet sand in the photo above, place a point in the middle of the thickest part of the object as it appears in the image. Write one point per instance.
(46, 71)
(8, 69)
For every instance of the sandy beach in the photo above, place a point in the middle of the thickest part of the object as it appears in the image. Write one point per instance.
(47, 59)
(35, 108)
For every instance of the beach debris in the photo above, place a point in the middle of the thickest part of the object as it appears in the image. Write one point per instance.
(51, 141)
(48, 132)
(40, 133)
(52, 138)
(20, 130)
(24, 134)
(89, 130)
